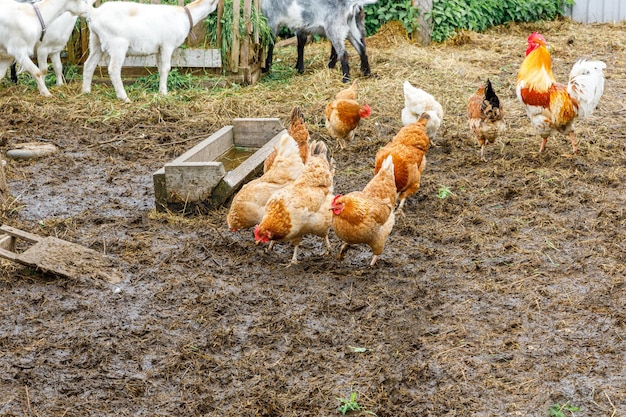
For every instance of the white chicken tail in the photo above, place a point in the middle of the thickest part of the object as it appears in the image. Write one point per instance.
(586, 85)
(387, 165)
(287, 146)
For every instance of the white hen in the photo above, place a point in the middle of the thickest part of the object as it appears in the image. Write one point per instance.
(418, 101)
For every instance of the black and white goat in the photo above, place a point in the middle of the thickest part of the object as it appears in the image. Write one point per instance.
(23, 27)
(118, 28)
(338, 20)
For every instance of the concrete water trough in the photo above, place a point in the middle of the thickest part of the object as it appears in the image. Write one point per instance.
(208, 174)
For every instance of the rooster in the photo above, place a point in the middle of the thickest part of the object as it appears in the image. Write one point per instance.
(485, 116)
(418, 101)
(302, 207)
(248, 205)
(367, 216)
(408, 149)
(551, 105)
(343, 115)
(298, 130)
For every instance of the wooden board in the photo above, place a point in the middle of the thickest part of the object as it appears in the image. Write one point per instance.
(182, 57)
(59, 257)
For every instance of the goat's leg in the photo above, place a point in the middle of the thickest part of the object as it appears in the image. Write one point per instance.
(332, 61)
(42, 60)
(359, 45)
(26, 63)
(357, 39)
(4, 65)
(115, 73)
(337, 39)
(165, 65)
(57, 65)
(13, 73)
(345, 67)
(270, 57)
(95, 55)
(302, 38)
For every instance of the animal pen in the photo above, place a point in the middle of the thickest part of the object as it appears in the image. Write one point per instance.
(243, 61)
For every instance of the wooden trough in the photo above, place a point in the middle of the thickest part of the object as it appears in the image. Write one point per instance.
(205, 176)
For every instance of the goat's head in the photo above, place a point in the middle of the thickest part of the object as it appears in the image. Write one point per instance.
(79, 8)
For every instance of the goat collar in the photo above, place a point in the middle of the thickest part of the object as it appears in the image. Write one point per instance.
(193, 35)
(43, 24)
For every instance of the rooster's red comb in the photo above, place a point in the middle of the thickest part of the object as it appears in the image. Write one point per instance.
(536, 37)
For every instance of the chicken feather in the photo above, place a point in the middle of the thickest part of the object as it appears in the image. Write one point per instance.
(408, 149)
(367, 216)
(302, 207)
(418, 101)
(343, 115)
(248, 205)
(299, 131)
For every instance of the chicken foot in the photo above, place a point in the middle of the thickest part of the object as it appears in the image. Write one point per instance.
(572, 138)
(482, 153)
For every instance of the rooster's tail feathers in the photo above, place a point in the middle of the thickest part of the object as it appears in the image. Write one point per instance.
(490, 95)
(318, 148)
(296, 115)
(491, 104)
(586, 85)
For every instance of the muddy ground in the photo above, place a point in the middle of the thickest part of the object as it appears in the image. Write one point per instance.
(504, 298)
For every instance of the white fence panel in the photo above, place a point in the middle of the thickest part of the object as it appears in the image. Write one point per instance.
(590, 11)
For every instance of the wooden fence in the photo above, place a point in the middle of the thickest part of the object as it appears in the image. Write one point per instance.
(243, 61)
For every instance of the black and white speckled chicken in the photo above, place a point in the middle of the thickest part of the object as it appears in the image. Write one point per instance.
(485, 116)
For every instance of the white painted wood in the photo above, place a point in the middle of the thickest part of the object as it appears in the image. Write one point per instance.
(181, 58)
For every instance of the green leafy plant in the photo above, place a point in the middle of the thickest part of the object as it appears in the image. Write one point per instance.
(387, 10)
(348, 404)
(449, 16)
(259, 26)
(444, 192)
(558, 410)
(175, 81)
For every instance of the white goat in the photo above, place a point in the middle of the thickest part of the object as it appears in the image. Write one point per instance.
(53, 43)
(23, 25)
(118, 28)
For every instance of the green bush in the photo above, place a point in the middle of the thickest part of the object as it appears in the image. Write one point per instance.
(387, 10)
(449, 16)
(259, 25)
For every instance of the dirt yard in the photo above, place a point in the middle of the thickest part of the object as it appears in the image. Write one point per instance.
(504, 298)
